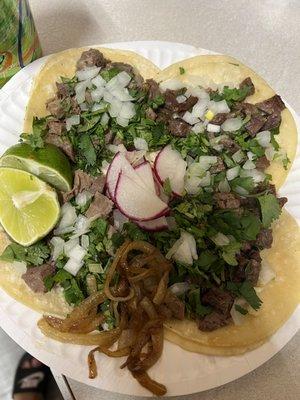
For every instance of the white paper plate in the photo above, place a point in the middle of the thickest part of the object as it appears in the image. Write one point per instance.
(181, 371)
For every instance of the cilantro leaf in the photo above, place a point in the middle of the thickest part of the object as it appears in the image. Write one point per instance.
(134, 232)
(240, 309)
(87, 148)
(167, 187)
(36, 138)
(195, 305)
(35, 254)
(245, 290)
(181, 70)
(270, 209)
(229, 252)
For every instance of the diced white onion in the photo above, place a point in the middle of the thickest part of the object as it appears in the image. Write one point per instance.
(140, 144)
(213, 128)
(73, 266)
(98, 106)
(181, 99)
(82, 226)
(198, 128)
(238, 156)
(69, 245)
(83, 107)
(179, 288)
(172, 84)
(264, 138)
(127, 110)
(87, 73)
(220, 239)
(97, 94)
(190, 118)
(249, 165)
(121, 94)
(73, 120)
(224, 186)
(232, 124)
(115, 108)
(85, 241)
(104, 119)
(124, 78)
(232, 173)
(205, 162)
(80, 89)
(258, 176)
(58, 247)
(218, 107)
(107, 96)
(98, 81)
(198, 92)
(266, 275)
(62, 231)
(184, 249)
(251, 155)
(77, 253)
(82, 198)
(199, 108)
(270, 153)
(122, 121)
(68, 216)
(119, 219)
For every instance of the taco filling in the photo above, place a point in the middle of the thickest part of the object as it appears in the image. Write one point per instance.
(170, 208)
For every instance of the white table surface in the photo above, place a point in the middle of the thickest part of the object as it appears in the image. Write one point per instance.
(264, 34)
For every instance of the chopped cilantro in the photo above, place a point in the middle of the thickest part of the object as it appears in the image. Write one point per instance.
(36, 138)
(134, 232)
(167, 187)
(194, 304)
(181, 70)
(108, 74)
(229, 252)
(35, 254)
(240, 309)
(87, 149)
(270, 209)
(246, 291)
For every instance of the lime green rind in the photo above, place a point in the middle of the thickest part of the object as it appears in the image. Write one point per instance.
(48, 163)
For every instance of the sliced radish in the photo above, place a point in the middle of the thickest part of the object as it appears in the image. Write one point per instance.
(170, 164)
(144, 171)
(154, 225)
(118, 164)
(137, 203)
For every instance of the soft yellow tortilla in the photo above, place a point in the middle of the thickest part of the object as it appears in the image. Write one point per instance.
(63, 64)
(219, 69)
(11, 281)
(280, 298)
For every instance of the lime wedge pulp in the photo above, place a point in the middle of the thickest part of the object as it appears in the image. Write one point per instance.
(29, 208)
(48, 163)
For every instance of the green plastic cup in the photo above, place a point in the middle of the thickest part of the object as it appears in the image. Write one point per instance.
(19, 42)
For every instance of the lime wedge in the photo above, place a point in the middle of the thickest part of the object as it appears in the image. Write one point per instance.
(29, 208)
(48, 163)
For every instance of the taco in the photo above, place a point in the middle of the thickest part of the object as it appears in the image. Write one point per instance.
(173, 219)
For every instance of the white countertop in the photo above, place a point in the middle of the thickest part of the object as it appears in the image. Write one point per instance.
(265, 34)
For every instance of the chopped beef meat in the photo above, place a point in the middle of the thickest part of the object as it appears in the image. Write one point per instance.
(175, 305)
(164, 115)
(75, 106)
(264, 239)
(56, 127)
(172, 104)
(247, 109)
(91, 58)
(262, 163)
(109, 136)
(63, 90)
(34, 276)
(101, 206)
(55, 108)
(282, 201)
(273, 105)
(218, 167)
(61, 142)
(151, 114)
(213, 321)
(230, 145)
(83, 181)
(219, 299)
(226, 200)
(252, 271)
(248, 82)
(179, 128)
(218, 119)
(255, 124)
(273, 121)
(153, 89)
(138, 79)
(164, 311)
